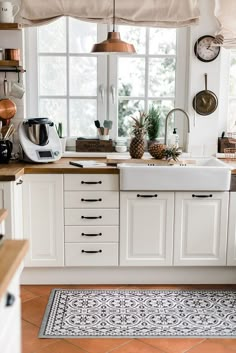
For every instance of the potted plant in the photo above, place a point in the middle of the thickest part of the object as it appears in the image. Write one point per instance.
(59, 128)
(153, 126)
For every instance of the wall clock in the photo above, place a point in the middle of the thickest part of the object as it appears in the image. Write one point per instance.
(203, 49)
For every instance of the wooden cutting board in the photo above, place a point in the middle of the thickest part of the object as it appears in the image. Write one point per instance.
(114, 160)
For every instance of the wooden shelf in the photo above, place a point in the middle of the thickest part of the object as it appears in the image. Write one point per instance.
(9, 63)
(10, 26)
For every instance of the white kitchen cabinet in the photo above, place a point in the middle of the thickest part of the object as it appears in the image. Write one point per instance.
(231, 251)
(11, 199)
(200, 232)
(91, 220)
(146, 228)
(44, 219)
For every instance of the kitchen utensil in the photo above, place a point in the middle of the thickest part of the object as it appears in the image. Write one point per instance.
(5, 85)
(5, 151)
(8, 132)
(205, 102)
(7, 109)
(107, 126)
(97, 124)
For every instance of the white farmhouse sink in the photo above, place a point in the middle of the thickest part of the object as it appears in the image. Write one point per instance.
(194, 174)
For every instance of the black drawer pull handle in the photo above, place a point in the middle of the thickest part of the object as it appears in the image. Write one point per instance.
(91, 182)
(10, 299)
(91, 251)
(19, 182)
(91, 235)
(155, 195)
(91, 200)
(202, 196)
(83, 217)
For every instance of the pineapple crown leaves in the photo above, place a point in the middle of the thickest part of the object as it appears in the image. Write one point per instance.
(172, 153)
(140, 124)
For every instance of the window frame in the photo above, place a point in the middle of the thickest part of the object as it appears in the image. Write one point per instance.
(107, 77)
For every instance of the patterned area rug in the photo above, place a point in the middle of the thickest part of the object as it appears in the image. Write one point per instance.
(139, 313)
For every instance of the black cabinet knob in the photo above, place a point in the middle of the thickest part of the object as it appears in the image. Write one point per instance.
(10, 299)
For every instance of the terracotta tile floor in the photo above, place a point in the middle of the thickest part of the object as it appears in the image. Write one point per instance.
(34, 299)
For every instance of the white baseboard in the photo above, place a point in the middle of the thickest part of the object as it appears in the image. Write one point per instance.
(131, 275)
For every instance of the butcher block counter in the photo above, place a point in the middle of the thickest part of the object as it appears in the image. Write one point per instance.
(12, 253)
(13, 170)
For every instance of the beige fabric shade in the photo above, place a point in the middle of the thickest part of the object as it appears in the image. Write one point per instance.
(225, 12)
(153, 13)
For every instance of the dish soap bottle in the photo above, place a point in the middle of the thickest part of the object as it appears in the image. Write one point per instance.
(174, 138)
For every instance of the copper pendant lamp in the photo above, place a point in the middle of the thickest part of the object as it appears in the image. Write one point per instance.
(113, 43)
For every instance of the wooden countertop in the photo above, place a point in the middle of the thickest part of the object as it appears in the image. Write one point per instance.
(13, 170)
(12, 253)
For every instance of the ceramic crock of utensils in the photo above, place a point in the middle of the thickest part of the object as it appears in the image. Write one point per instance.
(5, 151)
(205, 102)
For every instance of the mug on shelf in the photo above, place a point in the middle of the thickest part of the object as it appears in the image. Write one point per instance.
(8, 11)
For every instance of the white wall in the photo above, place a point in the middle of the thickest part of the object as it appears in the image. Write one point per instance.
(204, 129)
(207, 128)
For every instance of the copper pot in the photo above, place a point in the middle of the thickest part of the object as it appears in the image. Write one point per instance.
(12, 54)
(7, 109)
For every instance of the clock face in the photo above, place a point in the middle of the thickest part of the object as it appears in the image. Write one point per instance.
(203, 49)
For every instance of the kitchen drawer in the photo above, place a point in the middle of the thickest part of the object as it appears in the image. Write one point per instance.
(91, 199)
(102, 254)
(90, 234)
(91, 217)
(92, 182)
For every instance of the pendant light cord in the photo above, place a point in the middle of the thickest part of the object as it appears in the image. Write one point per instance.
(114, 14)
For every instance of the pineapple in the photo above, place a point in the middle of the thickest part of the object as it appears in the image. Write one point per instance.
(157, 150)
(137, 143)
(172, 153)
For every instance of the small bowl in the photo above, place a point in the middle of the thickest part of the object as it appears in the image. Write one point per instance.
(121, 149)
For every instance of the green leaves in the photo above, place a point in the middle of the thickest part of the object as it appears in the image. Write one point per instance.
(172, 153)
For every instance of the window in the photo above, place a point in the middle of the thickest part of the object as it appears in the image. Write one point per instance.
(67, 83)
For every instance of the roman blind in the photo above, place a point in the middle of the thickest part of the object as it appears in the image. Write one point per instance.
(154, 13)
(225, 12)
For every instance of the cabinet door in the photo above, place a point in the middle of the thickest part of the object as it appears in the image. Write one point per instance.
(43, 219)
(200, 233)
(146, 228)
(11, 199)
(231, 252)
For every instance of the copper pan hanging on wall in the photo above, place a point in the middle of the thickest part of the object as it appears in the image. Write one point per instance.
(7, 106)
(205, 102)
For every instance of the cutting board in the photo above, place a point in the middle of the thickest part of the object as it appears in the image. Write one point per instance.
(114, 160)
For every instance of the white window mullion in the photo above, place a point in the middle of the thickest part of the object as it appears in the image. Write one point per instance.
(146, 71)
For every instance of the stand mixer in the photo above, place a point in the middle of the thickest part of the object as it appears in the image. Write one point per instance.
(39, 141)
